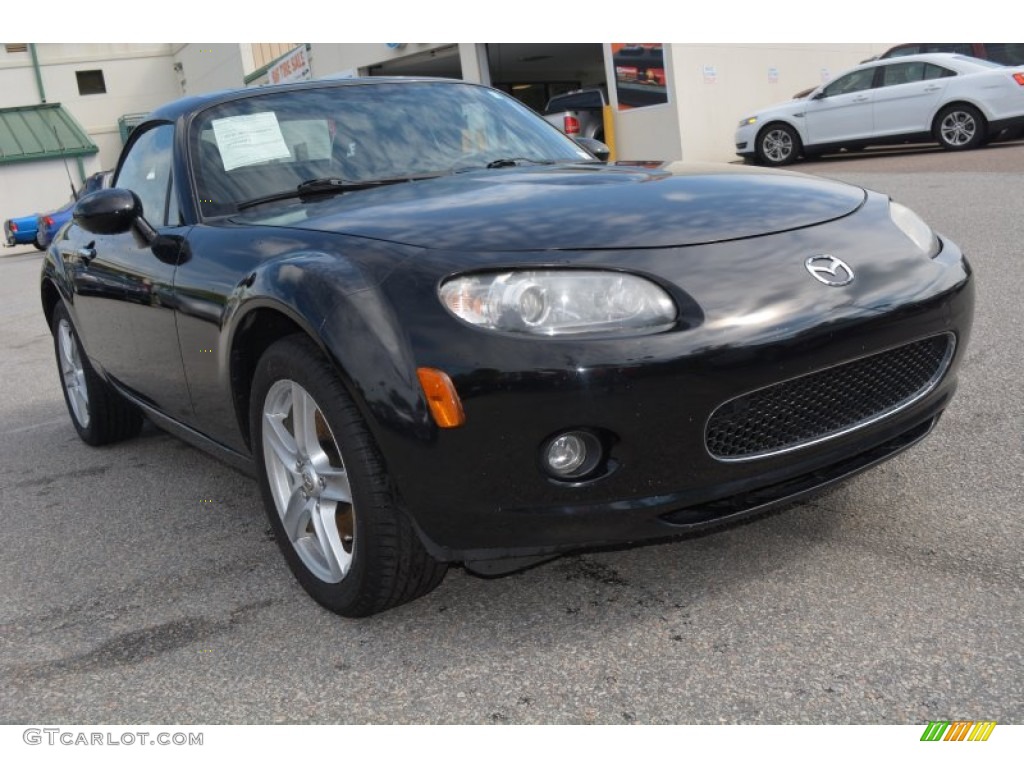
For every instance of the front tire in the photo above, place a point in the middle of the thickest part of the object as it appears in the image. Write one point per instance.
(960, 126)
(777, 144)
(100, 415)
(334, 511)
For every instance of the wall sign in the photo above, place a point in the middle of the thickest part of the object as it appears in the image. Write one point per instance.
(294, 66)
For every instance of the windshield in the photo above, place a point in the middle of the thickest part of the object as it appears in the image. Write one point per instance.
(272, 142)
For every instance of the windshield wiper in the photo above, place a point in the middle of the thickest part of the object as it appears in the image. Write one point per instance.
(510, 162)
(502, 162)
(326, 186)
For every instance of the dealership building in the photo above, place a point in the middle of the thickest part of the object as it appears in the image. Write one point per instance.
(669, 101)
(66, 109)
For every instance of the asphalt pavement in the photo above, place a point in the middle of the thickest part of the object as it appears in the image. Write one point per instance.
(140, 582)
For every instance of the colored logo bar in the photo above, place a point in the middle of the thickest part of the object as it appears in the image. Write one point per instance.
(958, 730)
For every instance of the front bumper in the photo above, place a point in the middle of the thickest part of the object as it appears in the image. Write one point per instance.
(745, 139)
(479, 492)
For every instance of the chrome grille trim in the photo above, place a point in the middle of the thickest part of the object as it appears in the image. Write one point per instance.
(940, 371)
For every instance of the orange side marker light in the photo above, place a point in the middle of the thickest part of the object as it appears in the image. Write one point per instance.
(445, 406)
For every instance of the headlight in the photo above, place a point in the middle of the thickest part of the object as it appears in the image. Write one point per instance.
(747, 121)
(913, 226)
(559, 302)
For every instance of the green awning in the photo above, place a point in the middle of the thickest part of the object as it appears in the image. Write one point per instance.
(41, 132)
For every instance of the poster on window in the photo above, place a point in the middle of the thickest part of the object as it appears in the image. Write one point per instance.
(639, 74)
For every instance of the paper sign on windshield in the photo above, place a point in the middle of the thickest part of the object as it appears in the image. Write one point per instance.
(249, 139)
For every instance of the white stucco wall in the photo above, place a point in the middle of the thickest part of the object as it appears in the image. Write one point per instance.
(206, 67)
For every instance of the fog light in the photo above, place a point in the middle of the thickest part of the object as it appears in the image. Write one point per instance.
(572, 454)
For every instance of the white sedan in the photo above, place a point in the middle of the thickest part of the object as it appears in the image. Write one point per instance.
(958, 101)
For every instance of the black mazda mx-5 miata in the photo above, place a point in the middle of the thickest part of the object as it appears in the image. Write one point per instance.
(440, 331)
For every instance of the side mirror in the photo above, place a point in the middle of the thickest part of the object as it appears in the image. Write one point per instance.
(598, 149)
(819, 95)
(108, 211)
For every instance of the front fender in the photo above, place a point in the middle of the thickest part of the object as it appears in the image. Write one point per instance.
(55, 283)
(365, 341)
(237, 294)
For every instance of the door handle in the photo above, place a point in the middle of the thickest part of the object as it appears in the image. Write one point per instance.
(932, 88)
(85, 255)
(861, 98)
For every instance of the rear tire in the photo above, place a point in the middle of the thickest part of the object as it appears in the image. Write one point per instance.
(335, 513)
(100, 415)
(960, 126)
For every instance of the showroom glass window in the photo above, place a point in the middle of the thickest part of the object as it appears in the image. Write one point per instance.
(146, 171)
(1010, 54)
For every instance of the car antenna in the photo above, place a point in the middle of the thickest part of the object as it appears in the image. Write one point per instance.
(74, 194)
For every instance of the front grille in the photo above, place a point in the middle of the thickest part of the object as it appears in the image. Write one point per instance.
(815, 407)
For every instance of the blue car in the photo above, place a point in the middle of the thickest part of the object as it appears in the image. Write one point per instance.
(22, 231)
(39, 229)
(48, 224)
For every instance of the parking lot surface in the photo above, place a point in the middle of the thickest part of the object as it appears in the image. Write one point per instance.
(140, 583)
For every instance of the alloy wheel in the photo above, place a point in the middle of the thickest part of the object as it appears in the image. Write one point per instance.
(958, 128)
(73, 374)
(777, 145)
(308, 481)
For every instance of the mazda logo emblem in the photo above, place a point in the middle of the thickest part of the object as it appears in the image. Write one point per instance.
(827, 269)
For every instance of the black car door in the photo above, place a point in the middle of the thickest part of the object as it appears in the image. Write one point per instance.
(123, 302)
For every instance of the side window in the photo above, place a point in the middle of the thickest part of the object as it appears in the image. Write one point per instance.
(934, 72)
(851, 83)
(907, 72)
(146, 171)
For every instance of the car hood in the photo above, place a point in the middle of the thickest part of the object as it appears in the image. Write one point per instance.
(783, 107)
(575, 207)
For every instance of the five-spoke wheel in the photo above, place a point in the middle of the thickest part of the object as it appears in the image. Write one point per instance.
(331, 504)
(99, 413)
(308, 481)
(72, 373)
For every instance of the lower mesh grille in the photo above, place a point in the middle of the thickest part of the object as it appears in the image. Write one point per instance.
(810, 408)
